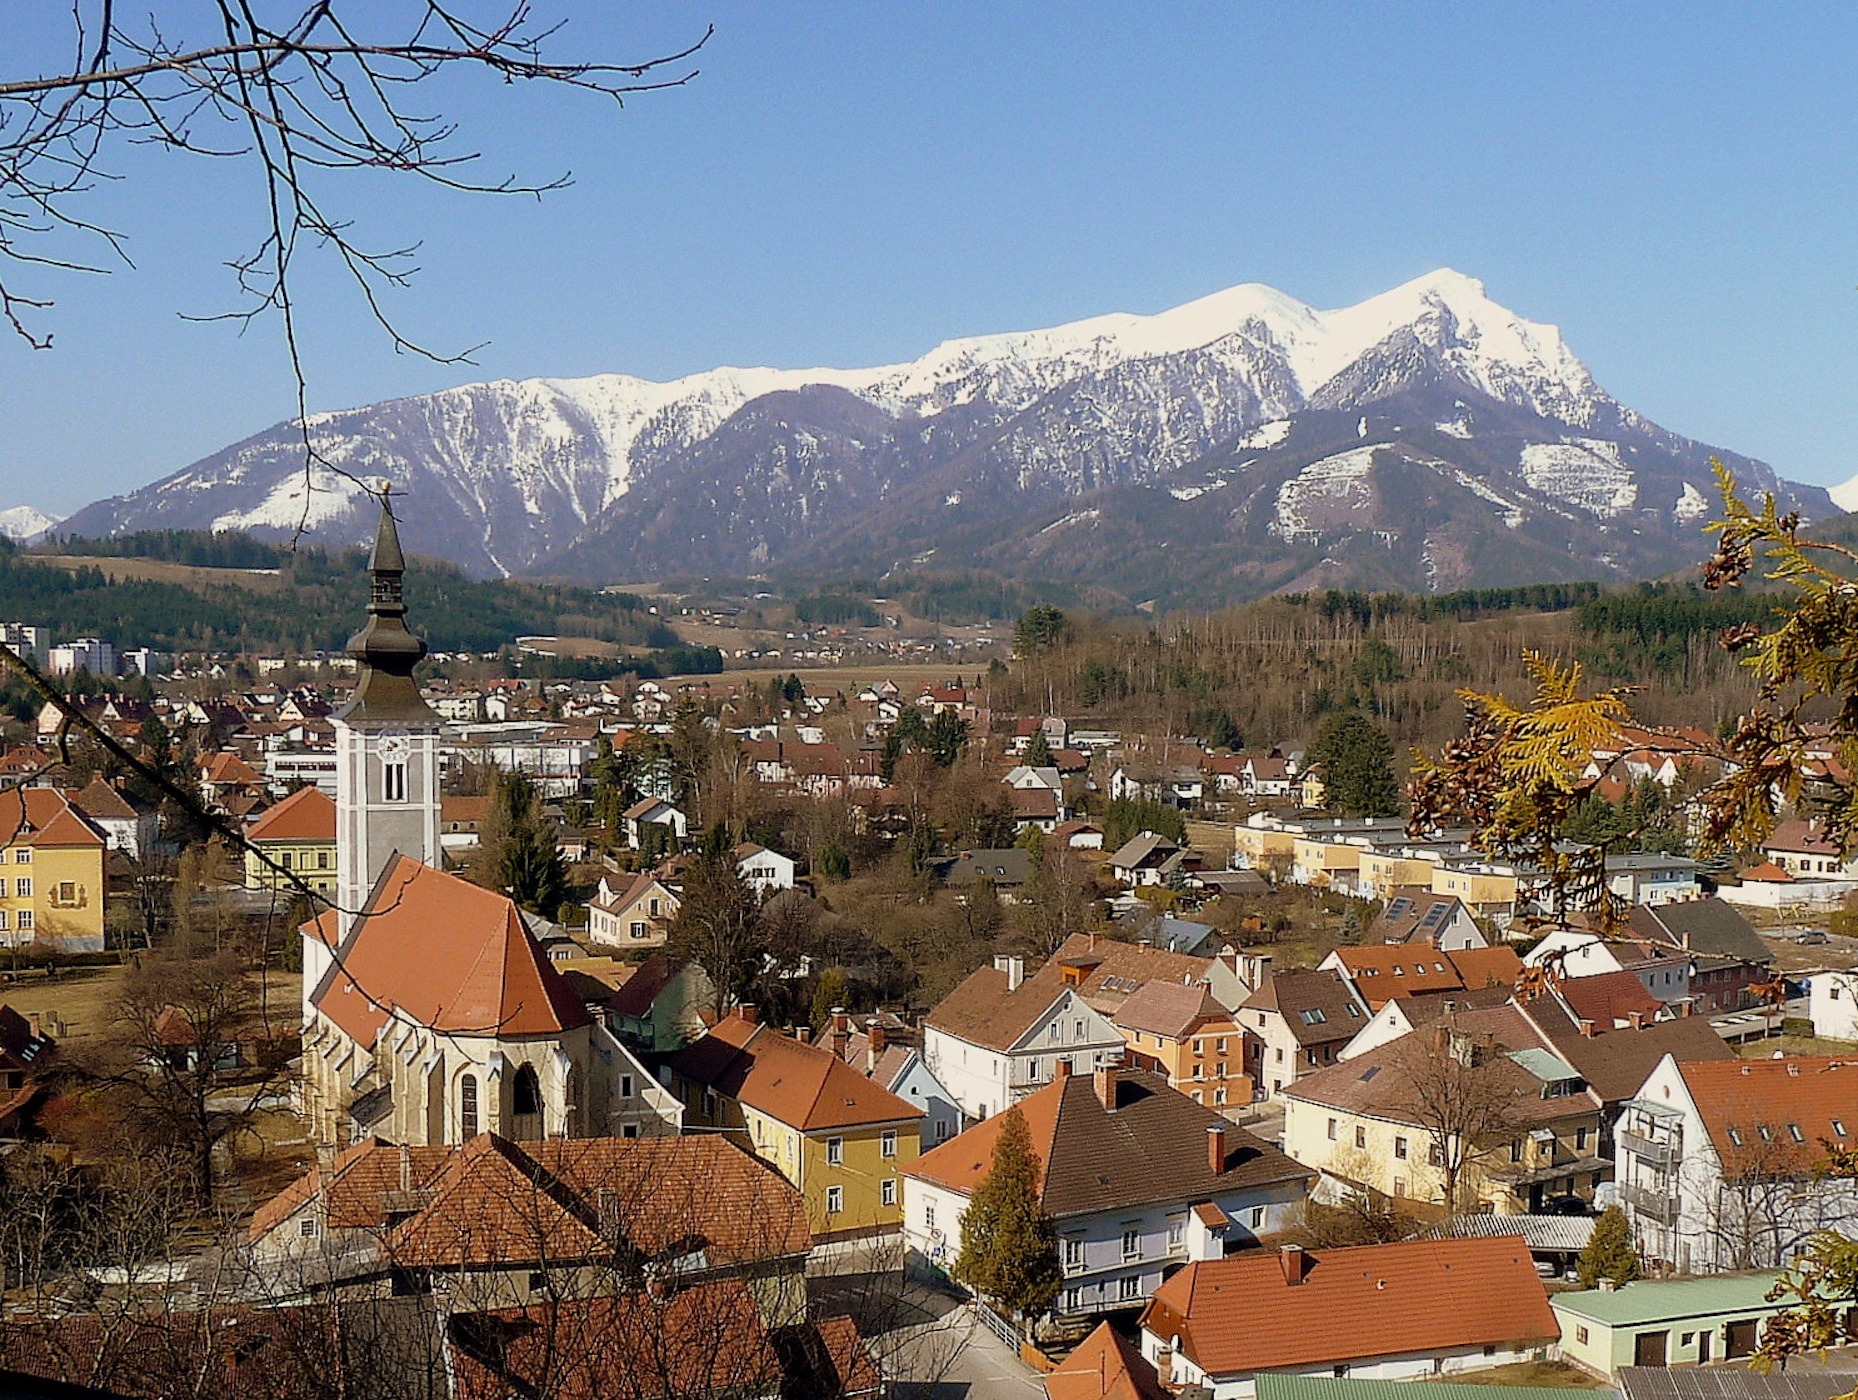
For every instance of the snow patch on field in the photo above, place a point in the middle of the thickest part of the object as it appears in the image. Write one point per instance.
(1076, 517)
(1190, 493)
(1586, 473)
(1334, 483)
(1266, 435)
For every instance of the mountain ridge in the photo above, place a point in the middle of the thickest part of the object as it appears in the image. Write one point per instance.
(737, 470)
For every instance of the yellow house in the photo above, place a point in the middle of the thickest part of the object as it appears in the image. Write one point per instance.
(299, 835)
(1254, 847)
(1482, 891)
(52, 882)
(1383, 872)
(1320, 862)
(839, 1137)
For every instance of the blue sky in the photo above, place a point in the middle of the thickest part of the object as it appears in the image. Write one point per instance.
(849, 184)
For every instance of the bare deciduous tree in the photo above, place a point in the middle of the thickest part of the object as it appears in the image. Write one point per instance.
(1455, 1090)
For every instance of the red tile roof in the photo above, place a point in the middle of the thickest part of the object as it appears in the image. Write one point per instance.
(1803, 1102)
(43, 817)
(804, 1086)
(1106, 1366)
(306, 815)
(445, 954)
(1240, 1315)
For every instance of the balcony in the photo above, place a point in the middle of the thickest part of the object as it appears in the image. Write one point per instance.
(1660, 1154)
(1653, 1205)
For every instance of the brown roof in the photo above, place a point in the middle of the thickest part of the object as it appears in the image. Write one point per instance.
(306, 815)
(1609, 997)
(1318, 1006)
(636, 994)
(1617, 1062)
(101, 802)
(463, 809)
(803, 1086)
(1151, 1148)
(1170, 1009)
(1803, 1101)
(1413, 915)
(20, 1047)
(1800, 837)
(1106, 1366)
(1242, 1314)
(706, 1339)
(1383, 971)
(448, 955)
(491, 1200)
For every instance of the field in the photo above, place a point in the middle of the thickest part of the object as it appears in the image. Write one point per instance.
(81, 998)
(162, 571)
(1551, 1375)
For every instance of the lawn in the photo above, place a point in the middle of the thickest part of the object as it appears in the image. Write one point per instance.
(1551, 1375)
(81, 998)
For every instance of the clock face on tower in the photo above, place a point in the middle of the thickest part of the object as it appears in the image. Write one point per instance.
(395, 745)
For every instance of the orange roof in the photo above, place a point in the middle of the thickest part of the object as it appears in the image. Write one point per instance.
(99, 800)
(1768, 871)
(325, 928)
(445, 954)
(1242, 1314)
(306, 815)
(1495, 966)
(37, 816)
(1383, 972)
(1105, 1366)
(803, 1086)
(220, 769)
(1803, 1102)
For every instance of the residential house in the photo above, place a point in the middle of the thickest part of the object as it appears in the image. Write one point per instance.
(1400, 1016)
(1181, 1032)
(1105, 1366)
(762, 870)
(648, 811)
(1652, 879)
(1136, 1178)
(898, 1066)
(1000, 1035)
(1147, 858)
(1036, 806)
(25, 1054)
(1008, 870)
(1056, 730)
(490, 1222)
(1380, 972)
(1832, 1005)
(1802, 848)
(1573, 954)
(52, 884)
(1369, 1123)
(1488, 888)
(1671, 1322)
(1719, 1161)
(296, 838)
(461, 820)
(1384, 1312)
(124, 828)
(1079, 835)
(1266, 778)
(1727, 956)
(839, 1137)
(659, 1008)
(1234, 975)
(636, 914)
(1297, 1023)
(1421, 917)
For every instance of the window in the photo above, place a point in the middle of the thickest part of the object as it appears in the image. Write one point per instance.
(393, 782)
(1434, 1156)
(1195, 1096)
(307, 1227)
(1220, 1047)
(322, 860)
(1177, 1231)
(1580, 1335)
(25, 855)
(66, 893)
(887, 1144)
(23, 887)
(538, 1282)
(1399, 1187)
(1073, 1299)
(835, 1200)
(929, 1214)
(283, 859)
(25, 919)
(835, 1151)
(1129, 1289)
(2, 919)
(942, 1129)
(1219, 1097)
(890, 1190)
(1073, 1253)
(467, 1106)
(1580, 1139)
(1332, 1129)
(1279, 1055)
(1257, 1218)
(1399, 1149)
(1199, 1070)
(1132, 1244)
(625, 1086)
(1793, 1130)
(1516, 1150)
(1078, 1031)
(1361, 1136)
(638, 928)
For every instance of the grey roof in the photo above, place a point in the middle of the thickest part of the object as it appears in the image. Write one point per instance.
(1708, 926)
(1731, 1383)
(1142, 848)
(1011, 865)
(1544, 1234)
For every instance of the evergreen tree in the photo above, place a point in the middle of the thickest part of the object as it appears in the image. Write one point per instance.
(1356, 758)
(719, 925)
(1610, 1252)
(518, 852)
(831, 991)
(834, 864)
(948, 736)
(1039, 751)
(1038, 629)
(1009, 1250)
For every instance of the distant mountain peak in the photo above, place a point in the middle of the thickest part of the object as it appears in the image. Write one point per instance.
(26, 523)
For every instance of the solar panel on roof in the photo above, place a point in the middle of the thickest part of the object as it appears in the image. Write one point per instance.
(1397, 910)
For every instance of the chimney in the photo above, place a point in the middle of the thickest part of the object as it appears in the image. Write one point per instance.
(1295, 1263)
(406, 1167)
(1062, 1069)
(1441, 1040)
(1636, 1019)
(748, 1012)
(803, 1033)
(1014, 968)
(841, 1032)
(1587, 1027)
(1104, 1080)
(874, 1039)
(1216, 1148)
(32, 1023)
(1608, 1285)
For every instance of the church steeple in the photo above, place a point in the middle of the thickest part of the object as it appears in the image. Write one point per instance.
(385, 652)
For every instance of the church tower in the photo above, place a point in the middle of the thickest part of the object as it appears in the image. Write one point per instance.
(386, 740)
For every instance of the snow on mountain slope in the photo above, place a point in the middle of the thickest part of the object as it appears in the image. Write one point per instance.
(1845, 494)
(25, 523)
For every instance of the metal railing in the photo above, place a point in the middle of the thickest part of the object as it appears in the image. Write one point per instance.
(1655, 1205)
(1647, 1149)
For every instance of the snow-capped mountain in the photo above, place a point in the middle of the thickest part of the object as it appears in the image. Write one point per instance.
(1427, 437)
(25, 523)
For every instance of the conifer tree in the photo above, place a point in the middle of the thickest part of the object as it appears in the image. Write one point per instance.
(1009, 1251)
(1039, 751)
(1356, 759)
(1610, 1252)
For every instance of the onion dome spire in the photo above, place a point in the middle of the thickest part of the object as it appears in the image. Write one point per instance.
(385, 652)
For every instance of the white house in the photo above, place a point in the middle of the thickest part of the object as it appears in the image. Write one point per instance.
(649, 810)
(1137, 1178)
(1716, 1162)
(1832, 1004)
(1000, 1035)
(762, 870)
(1665, 972)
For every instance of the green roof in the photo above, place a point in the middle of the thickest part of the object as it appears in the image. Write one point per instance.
(1662, 1300)
(1276, 1387)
